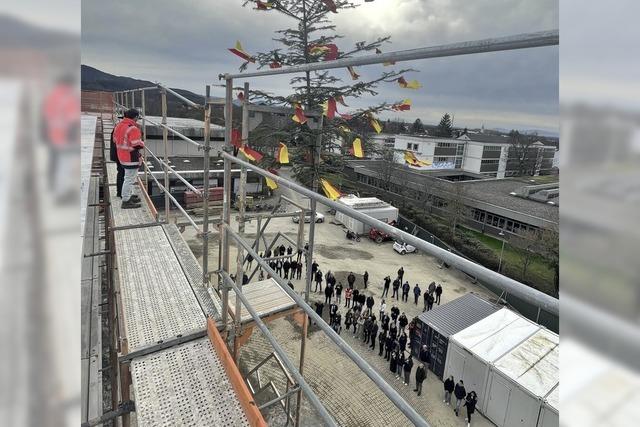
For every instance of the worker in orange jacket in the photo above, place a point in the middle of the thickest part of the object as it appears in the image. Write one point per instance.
(128, 139)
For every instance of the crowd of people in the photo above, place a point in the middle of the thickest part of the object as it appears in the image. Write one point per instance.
(373, 324)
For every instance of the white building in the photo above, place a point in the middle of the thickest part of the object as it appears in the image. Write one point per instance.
(486, 154)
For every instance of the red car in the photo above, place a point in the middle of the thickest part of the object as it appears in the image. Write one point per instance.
(378, 236)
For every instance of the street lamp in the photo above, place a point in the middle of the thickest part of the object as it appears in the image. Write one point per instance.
(501, 234)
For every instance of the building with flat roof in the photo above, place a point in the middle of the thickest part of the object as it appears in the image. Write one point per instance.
(510, 205)
(488, 154)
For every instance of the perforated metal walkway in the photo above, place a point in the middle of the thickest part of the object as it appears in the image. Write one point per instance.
(158, 278)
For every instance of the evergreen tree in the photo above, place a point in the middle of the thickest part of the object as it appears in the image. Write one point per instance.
(312, 39)
(445, 127)
(417, 127)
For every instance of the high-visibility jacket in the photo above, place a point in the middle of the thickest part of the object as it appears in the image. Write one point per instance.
(61, 112)
(128, 139)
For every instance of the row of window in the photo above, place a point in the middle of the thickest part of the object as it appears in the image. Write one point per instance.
(492, 148)
(490, 161)
(500, 222)
(411, 146)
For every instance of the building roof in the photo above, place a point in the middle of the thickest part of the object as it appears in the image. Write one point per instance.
(498, 192)
(495, 335)
(458, 314)
(534, 364)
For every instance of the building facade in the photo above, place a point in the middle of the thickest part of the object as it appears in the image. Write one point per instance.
(490, 155)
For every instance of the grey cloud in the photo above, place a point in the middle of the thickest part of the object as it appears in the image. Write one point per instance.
(184, 44)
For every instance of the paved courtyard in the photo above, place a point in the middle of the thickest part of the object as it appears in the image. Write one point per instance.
(349, 395)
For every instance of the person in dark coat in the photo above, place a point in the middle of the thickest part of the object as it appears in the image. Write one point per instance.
(432, 288)
(318, 277)
(408, 365)
(286, 265)
(351, 279)
(401, 273)
(298, 270)
(385, 322)
(388, 347)
(382, 339)
(387, 282)
(279, 267)
(314, 267)
(249, 260)
(425, 297)
(401, 361)
(328, 293)
(338, 291)
(348, 319)
(245, 279)
(449, 384)
(425, 356)
(396, 286)
(438, 293)
(403, 321)
(299, 255)
(369, 301)
(267, 254)
(393, 363)
(416, 293)
(289, 251)
(365, 279)
(363, 299)
(395, 312)
(393, 331)
(470, 403)
(430, 300)
(337, 323)
(356, 297)
(421, 375)
(373, 334)
(367, 330)
(402, 341)
(319, 308)
(460, 393)
(282, 250)
(406, 287)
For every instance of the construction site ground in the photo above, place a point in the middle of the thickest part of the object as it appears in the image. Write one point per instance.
(347, 392)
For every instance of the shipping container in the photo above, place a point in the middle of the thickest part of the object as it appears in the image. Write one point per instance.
(434, 327)
(521, 379)
(472, 351)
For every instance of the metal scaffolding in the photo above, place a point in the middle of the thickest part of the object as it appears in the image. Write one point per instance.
(246, 248)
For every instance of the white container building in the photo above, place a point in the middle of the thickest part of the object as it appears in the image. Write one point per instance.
(549, 413)
(371, 206)
(473, 351)
(521, 380)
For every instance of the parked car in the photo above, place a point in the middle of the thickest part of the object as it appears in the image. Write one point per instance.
(307, 217)
(378, 236)
(403, 248)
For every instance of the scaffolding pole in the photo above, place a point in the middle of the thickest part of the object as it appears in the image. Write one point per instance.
(496, 44)
(205, 189)
(226, 200)
(144, 138)
(165, 140)
(389, 391)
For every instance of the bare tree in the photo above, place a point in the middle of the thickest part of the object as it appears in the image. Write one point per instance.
(386, 167)
(456, 208)
(550, 249)
(521, 153)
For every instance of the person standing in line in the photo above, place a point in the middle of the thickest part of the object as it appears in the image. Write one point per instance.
(430, 300)
(403, 321)
(286, 266)
(282, 250)
(383, 307)
(460, 393)
(351, 279)
(314, 267)
(319, 308)
(348, 319)
(470, 403)
(449, 384)
(438, 293)
(369, 301)
(289, 251)
(421, 375)
(401, 362)
(299, 255)
(405, 291)
(425, 297)
(387, 282)
(384, 319)
(249, 260)
(432, 288)
(279, 267)
(396, 287)
(365, 278)
(359, 326)
(416, 293)
(333, 309)
(402, 342)
(373, 334)
(318, 278)
(338, 291)
(395, 312)
(401, 273)
(393, 331)
(356, 297)
(425, 357)
(388, 346)
(299, 270)
(382, 339)
(328, 293)
(408, 365)
(348, 293)
(393, 362)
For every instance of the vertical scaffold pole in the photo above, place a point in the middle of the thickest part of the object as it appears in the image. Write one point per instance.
(165, 140)
(144, 138)
(226, 200)
(205, 188)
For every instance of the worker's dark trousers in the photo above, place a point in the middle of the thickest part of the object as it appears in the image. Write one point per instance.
(119, 179)
(437, 299)
(373, 343)
(381, 348)
(416, 298)
(385, 292)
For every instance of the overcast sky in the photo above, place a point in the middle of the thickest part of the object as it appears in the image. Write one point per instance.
(183, 44)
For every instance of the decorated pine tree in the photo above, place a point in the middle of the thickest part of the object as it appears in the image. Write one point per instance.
(312, 38)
